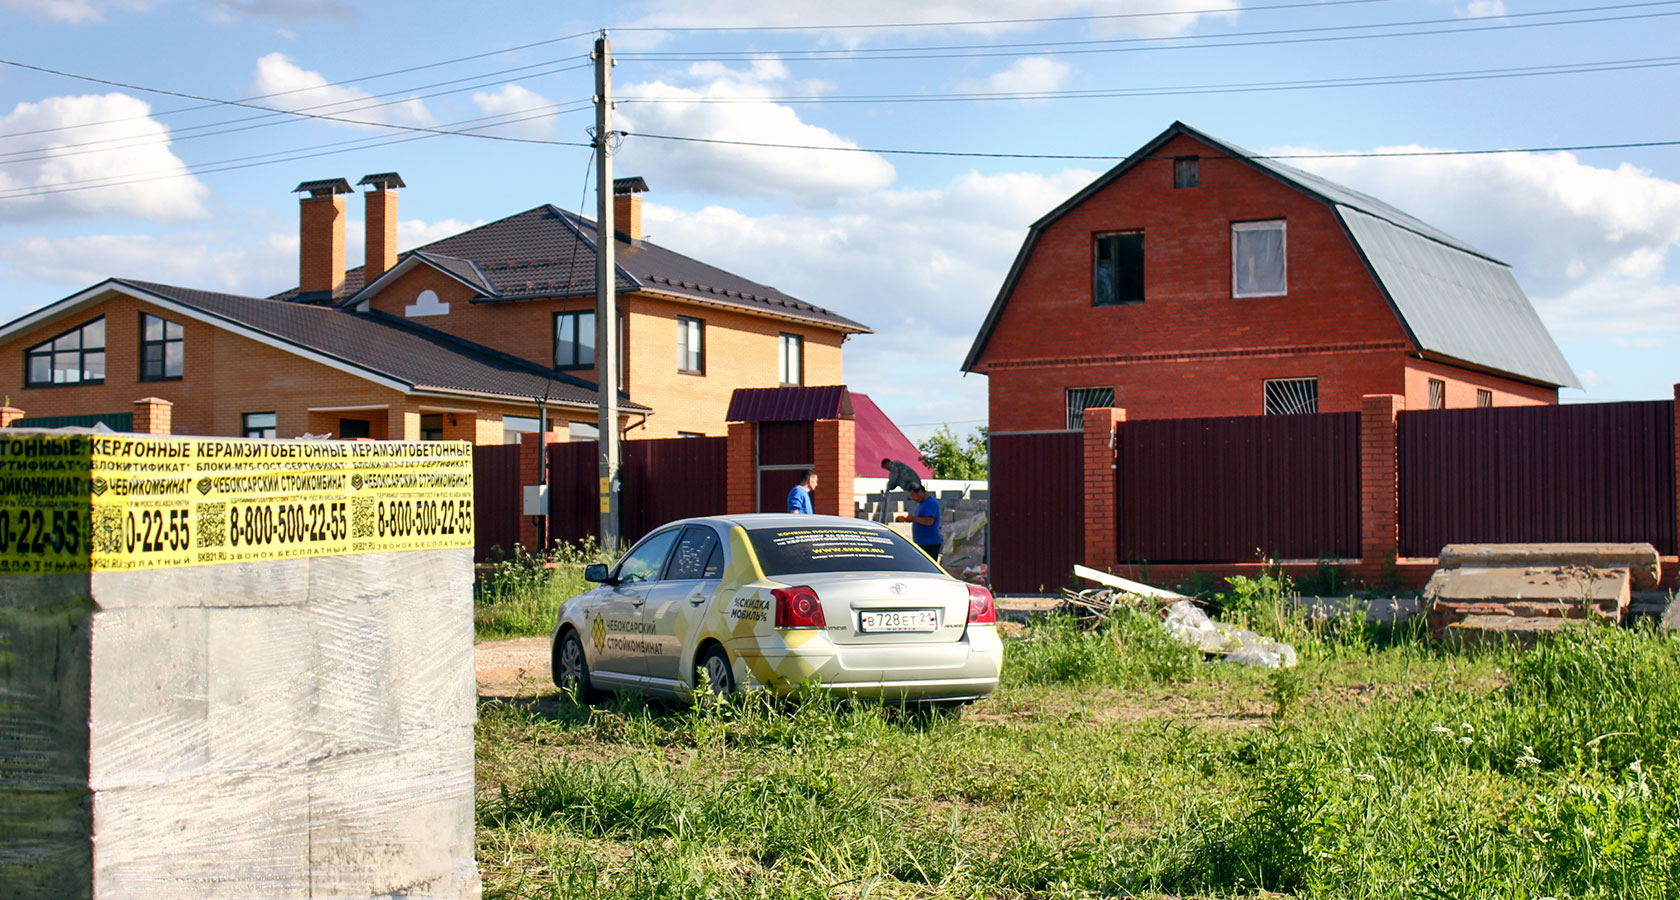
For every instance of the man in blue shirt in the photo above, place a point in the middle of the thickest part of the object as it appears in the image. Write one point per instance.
(924, 527)
(799, 499)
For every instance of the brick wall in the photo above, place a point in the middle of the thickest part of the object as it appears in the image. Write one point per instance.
(742, 454)
(834, 445)
(1191, 349)
(1101, 539)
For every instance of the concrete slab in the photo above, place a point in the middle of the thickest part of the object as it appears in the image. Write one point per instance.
(1640, 560)
(1487, 631)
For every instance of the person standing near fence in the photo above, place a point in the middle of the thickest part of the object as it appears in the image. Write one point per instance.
(799, 499)
(924, 522)
(900, 475)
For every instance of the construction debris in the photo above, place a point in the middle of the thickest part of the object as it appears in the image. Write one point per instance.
(1514, 591)
(1181, 617)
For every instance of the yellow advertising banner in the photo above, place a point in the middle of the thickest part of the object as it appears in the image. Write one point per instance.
(111, 503)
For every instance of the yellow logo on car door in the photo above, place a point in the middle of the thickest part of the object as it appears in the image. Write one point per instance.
(598, 633)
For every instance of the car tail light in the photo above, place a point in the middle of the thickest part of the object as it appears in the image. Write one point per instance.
(798, 607)
(981, 609)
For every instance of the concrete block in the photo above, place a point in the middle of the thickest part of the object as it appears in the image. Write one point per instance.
(1530, 592)
(261, 688)
(1639, 559)
(1671, 616)
(1492, 630)
(385, 823)
(271, 583)
(150, 696)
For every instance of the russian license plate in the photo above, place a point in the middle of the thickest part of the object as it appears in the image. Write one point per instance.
(899, 620)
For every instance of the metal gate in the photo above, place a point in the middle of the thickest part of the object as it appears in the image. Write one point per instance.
(1582, 472)
(659, 480)
(496, 500)
(1230, 489)
(1038, 510)
(784, 450)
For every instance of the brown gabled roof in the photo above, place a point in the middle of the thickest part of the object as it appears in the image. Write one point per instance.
(549, 252)
(398, 350)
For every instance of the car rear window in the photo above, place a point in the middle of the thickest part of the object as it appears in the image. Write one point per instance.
(829, 548)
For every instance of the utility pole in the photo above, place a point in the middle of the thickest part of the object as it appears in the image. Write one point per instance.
(606, 293)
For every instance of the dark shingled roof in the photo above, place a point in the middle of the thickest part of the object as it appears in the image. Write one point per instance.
(549, 252)
(420, 357)
(1455, 302)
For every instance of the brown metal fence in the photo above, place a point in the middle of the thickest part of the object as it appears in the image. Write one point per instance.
(1586, 472)
(1229, 489)
(659, 481)
(496, 500)
(1038, 510)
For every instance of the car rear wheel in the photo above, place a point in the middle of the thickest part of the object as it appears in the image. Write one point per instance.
(714, 667)
(571, 667)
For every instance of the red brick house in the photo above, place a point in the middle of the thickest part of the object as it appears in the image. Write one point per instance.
(1199, 279)
(478, 336)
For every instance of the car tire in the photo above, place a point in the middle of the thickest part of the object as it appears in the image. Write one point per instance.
(570, 667)
(714, 664)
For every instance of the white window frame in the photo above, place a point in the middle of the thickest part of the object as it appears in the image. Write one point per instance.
(790, 367)
(1279, 225)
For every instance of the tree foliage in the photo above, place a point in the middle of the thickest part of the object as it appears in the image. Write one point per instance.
(950, 457)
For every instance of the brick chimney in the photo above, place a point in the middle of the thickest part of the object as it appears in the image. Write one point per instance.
(381, 199)
(321, 235)
(627, 208)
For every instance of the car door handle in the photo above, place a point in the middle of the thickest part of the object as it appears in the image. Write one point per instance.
(697, 598)
(640, 601)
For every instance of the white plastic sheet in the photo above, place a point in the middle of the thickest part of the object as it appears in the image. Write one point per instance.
(1187, 623)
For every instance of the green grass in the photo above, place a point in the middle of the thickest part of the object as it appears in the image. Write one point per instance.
(520, 595)
(1115, 764)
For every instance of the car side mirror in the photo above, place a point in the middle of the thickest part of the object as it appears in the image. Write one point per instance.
(597, 572)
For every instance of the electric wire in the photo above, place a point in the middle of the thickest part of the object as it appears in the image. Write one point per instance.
(970, 23)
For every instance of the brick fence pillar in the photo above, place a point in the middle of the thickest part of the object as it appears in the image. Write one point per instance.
(835, 459)
(741, 469)
(8, 415)
(153, 415)
(1101, 538)
(532, 529)
(1379, 478)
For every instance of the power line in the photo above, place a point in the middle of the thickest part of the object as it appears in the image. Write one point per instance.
(1035, 20)
(378, 75)
(1110, 157)
(1132, 45)
(1178, 90)
(266, 120)
(245, 105)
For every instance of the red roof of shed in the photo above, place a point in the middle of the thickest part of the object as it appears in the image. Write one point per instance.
(877, 438)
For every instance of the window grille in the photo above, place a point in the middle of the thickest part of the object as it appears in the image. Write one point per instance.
(1484, 399)
(1289, 396)
(1437, 394)
(1081, 399)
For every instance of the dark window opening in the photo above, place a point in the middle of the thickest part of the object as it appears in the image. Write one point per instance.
(431, 426)
(1081, 399)
(1119, 275)
(76, 356)
(1187, 171)
(354, 428)
(261, 425)
(162, 349)
(1291, 396)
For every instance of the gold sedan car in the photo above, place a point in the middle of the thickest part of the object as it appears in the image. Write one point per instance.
(775, 602)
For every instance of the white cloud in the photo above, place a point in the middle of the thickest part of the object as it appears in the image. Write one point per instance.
(123, 143)
(519, 105)
(72, 12)
(210, 259)
(299, 89)
(920, 267)
(747, 13)
(1591, 245)
(1591, 380)
(1482, 9)
(283, 10)
(1027, 75)
(808, 177)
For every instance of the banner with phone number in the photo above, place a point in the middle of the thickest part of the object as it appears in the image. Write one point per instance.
(111, 503)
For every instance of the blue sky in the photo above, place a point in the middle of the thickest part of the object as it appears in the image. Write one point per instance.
(99, 180)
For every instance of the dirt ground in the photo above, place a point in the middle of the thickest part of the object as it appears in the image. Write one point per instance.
(513, 668)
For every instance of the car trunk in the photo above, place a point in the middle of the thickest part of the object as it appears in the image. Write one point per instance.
(889, 608)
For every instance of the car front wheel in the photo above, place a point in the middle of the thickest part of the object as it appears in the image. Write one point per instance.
(714, 667)
(571, 668)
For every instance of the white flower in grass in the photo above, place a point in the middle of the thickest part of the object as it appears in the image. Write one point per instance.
(1467, 741)
(1368, 779)
(1438, 729)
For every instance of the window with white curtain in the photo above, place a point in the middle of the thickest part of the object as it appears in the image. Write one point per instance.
(1259, 259)
(790, 363)
(689, 349)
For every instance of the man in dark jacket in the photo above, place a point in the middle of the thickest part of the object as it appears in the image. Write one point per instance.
(901, 476)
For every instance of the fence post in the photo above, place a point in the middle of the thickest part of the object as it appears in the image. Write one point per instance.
(1101, 539)
(835, 457)
(1674, 577)
(8, 415)
(153, 415)
(741, 468)
(1379, 478)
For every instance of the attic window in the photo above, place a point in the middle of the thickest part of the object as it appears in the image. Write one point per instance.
(1289, 396)
(1259, 259)
(1187, 171)
(1119, 269)
(76, 356)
